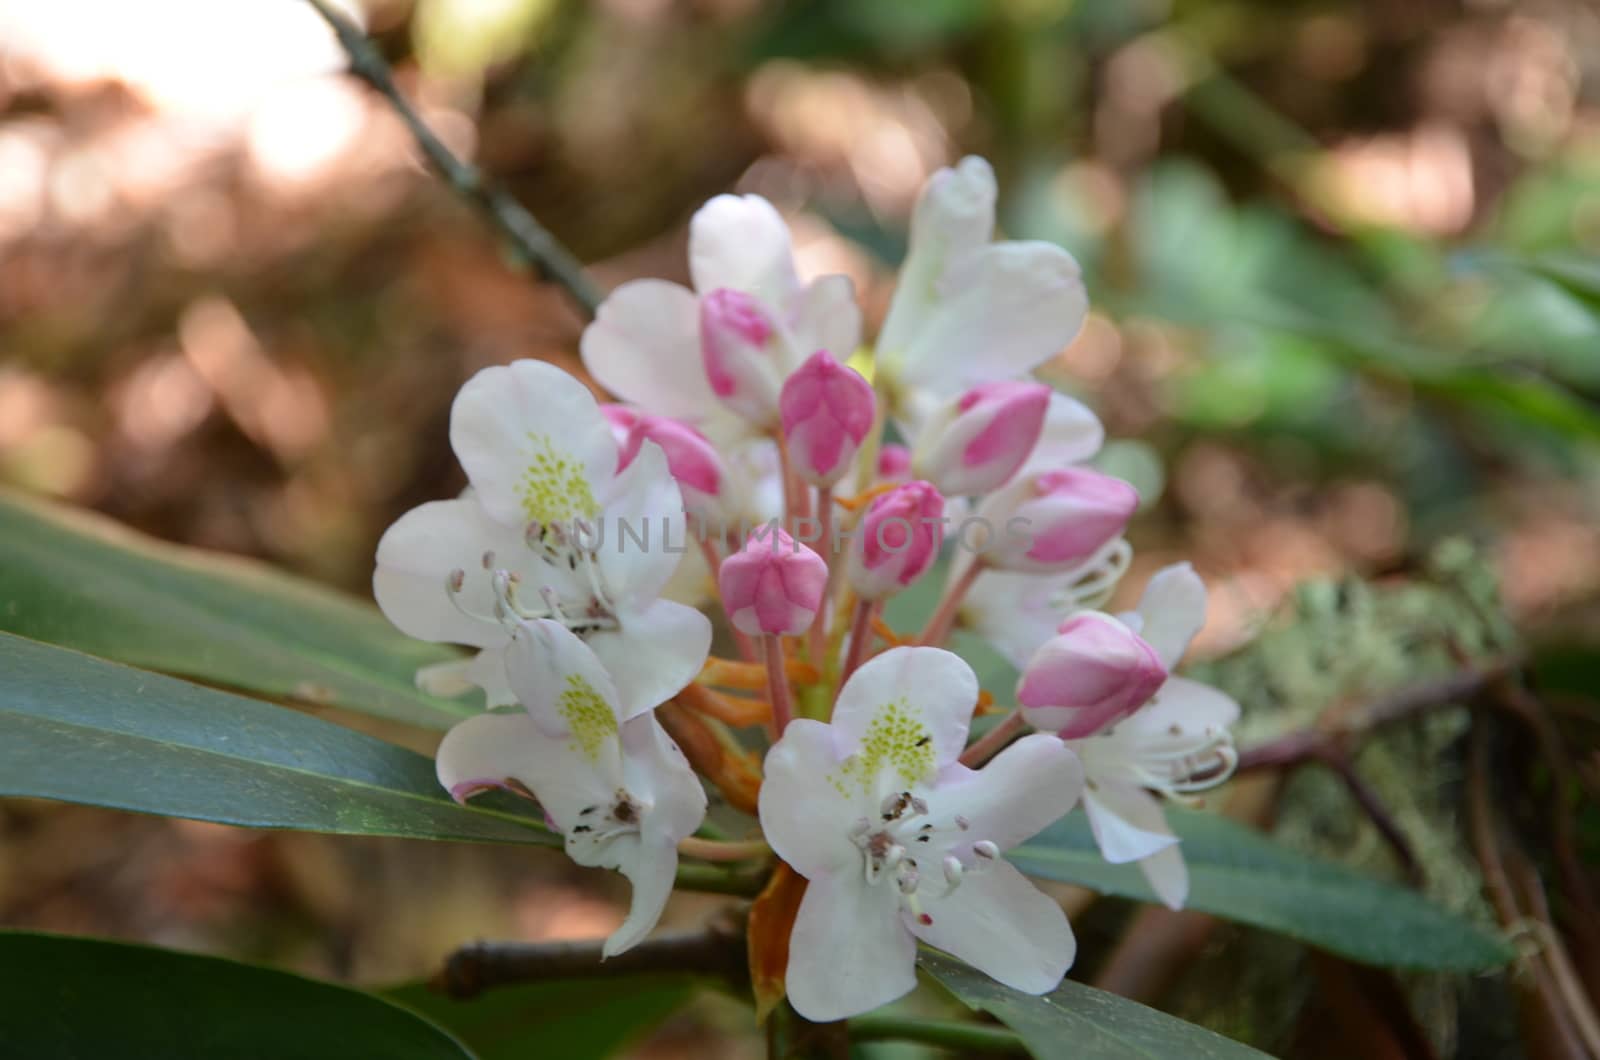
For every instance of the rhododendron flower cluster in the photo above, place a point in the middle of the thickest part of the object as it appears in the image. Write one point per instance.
(746, 457)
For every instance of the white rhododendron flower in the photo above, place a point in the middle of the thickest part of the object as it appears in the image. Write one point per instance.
(728, 345)
(615, 786)
(1175, 745)
(901, 842)
(549, 530)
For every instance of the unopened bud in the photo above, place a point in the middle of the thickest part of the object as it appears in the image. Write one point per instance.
(975, 443)
(898, 539)
(691, 458)
(773, 584)
(1093, 673)
(827, 410)
(1055, 520)
(741, 350)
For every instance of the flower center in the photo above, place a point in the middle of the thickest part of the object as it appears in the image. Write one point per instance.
(1181, 761)
(911, 845)
(1096, 580)
(567, 571)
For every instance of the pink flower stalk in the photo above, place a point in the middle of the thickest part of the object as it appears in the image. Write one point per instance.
(691, 458)
(1093, 673)
(897, 540)
(773, 585)
(739, 346)
(1054, 520)
(827, 410)
(894, 463)
(976, 442)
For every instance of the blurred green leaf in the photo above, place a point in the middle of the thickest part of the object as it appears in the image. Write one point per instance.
(85, 582)
(1078, 1022)
(909, 611)
(84, 730)
(574, 1021)
(1239, 874)
(68, 998)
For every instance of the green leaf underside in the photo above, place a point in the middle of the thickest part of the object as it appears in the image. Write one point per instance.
(84, 582)
(1078, 1022)
(571, 1020)
(1239, 874)
(80, 729)
(74, 998)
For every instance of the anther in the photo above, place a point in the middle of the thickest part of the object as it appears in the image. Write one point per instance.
(952, 871)
(985, 849)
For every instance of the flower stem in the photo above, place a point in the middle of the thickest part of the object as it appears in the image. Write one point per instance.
(708, 549)
(777, 683)
(860, 638)
(944, 616)
(819, 630)
(718, 850)
(947, 1033)
(994, 741)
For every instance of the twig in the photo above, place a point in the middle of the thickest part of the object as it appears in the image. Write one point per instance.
(949, 1034)
(476, 967)
(531, 239)
(1370, 801)
(1316, 742)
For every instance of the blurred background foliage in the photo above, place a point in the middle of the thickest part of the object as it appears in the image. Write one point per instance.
(1344, 259)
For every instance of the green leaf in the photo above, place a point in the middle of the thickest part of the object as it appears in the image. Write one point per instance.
(67, 998)
(571, 1020)
(1078, 1022)
(80, 729)
(85, 582)
(1239, 874)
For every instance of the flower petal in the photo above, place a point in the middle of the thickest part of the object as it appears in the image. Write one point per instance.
(954, 217)
(643, 531)
(826, 317)
(1072, 433)
(1192, 707)
(1014, 612)
(741, 242)
(849, 952)
(1001, 924)
(659, 648)
(565, 688)
(1002, 311)
(1168, 875)
(1127, 821)
(488, 671)
(487, 750)
(415, 559)
(1173, 608)
(533, 442)
(644, 346)
(652, 869)
(907, 710)
(656, 769)
(1025, 788)
(805, 818)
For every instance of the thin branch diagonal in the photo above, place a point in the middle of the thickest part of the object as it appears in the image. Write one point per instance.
(531, 240)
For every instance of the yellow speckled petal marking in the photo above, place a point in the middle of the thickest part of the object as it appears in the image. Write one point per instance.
(896, 739)
(553, 487)
(588, 715)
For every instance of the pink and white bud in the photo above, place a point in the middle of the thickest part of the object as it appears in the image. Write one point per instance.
(691, 458)
(827, 410)
(742, 352)
(774, 584)
(976, 442)
(894, 463)
(1092, 674)
(896, 541)
(1054, 520)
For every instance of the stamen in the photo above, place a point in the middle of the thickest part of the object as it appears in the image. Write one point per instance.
(953, 871)
(986, 850)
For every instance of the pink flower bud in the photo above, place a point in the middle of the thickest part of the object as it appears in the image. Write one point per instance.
(896, 541)
(739, 345)
(772, 585)
(976, 442)
(691, 458)
(827, 410)
(1093, 673)
(894, 463)
(1055, 520)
